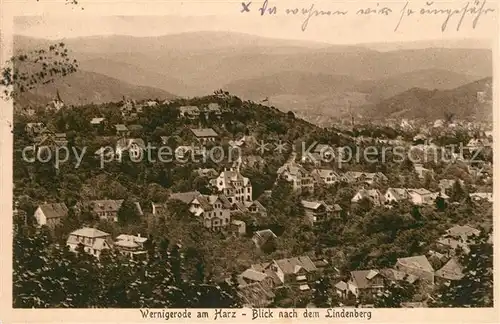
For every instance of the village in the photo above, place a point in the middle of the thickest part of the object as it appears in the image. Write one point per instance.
(226, 202)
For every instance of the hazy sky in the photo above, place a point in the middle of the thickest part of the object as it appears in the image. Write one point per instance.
(160, 18)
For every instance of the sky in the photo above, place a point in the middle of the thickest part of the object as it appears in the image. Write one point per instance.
(56, 20)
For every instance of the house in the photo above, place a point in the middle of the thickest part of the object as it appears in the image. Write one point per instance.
(325, 176)
(97, 121)
(121, 130)
(318, 211)
(106, 209)
(256, 295)
(255, 207)
(299, 271)
(396, 195)
(422, 172)
(51, 215)
(238, 227)
(365, 283)
(451, 271)
(373, 195)
(396, 276)
(421, 196)
(342, 289)
(301, 180)
(131, 245)
(190, 112)
(251, 275)
(34, 129)
(265, 240)
(158, 209)
(418, 266)
(234, 186)
(213, 109)
(213, 211)
(93, 240)
(205, 135)
(478, 196)
(134, 146)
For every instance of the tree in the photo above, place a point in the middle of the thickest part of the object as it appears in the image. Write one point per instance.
(395, 294)
(457, 192)
(127, 212)
(25, 71)
(321, 292)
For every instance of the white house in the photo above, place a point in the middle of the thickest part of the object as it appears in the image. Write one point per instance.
(131, 245)
(299, 177)
(396, 195)
(422, 196)
(326, 176)
(50, 214)
(374, 195)
(93, 240)
(234, 186)
(214, 211)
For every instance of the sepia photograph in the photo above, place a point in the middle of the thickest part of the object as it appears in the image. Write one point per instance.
(199, 161)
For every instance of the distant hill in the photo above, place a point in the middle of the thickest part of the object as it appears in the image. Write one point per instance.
(205, 61)
(427, 79)
(302, 76)
(87, 87)
(292, 82)
(432, 104)
(135, 75)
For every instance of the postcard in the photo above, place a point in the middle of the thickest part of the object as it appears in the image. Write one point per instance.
(248, 161)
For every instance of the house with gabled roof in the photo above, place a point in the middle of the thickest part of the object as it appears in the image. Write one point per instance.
(51, 214)
(458, 236)
(214, 211)
(300, 178)
(373, 195)
(299, 271)
(106, 209)
(365, 283)
(421, 196)
(265, 240)
(256, 295)
(451, 271)
(93, 241)
(234, 186)
(325, 176)
(418, 266)
(396, 195)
